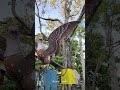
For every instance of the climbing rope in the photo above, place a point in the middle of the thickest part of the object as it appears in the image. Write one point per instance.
(41, 78)
(42, 85)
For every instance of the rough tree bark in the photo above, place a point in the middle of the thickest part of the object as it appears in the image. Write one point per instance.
(91, 8)
(111, 60)
(113, 74)
(82, 62)
(66, 48)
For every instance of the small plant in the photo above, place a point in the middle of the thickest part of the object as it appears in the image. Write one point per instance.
(8, 85)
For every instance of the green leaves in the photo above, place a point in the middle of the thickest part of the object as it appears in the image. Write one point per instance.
(37, 64)
(8, 85)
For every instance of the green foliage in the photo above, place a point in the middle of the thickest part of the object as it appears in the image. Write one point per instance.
(37, 64)
(94, 48)
(94, 44)
(8, 85)
(103, 80)
(38, 36)
(9, 22)
(58, 59)
(75, 52)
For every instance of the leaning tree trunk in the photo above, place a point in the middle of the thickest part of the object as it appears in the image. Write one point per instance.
(66, 54)
(67, 63)
(66, 59)
(66, 49)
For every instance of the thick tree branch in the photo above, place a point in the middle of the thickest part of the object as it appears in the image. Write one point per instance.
(48, 19)
(114, 51)
(81, 15)
(118, 42)
(115, 44)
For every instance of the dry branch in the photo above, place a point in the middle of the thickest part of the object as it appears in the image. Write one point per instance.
(43, 35)
(50, 19)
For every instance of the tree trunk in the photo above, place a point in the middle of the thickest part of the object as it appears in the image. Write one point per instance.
(66, 54)
(82, 62)
(66, 48)
(66, 59)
